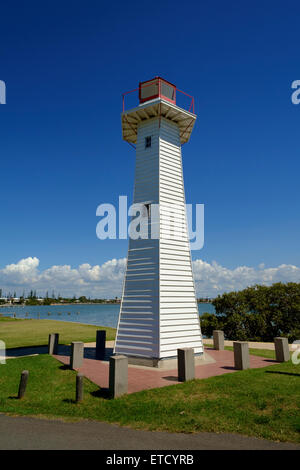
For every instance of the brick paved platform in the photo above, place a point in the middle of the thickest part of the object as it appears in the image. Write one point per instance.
(144, 378)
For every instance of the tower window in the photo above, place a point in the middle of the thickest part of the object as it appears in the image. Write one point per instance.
(146, 210)
(147, 142)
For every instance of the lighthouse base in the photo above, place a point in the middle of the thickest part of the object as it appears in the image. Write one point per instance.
(167, 363)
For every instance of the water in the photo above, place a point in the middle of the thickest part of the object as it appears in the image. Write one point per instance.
(92, 314)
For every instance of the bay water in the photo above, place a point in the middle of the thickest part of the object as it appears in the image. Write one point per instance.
(92, 314)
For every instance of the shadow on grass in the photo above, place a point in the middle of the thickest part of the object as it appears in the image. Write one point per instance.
(70, 400)
(282, 373)
(269, 360)
(21, 351)
(26, 351)
(65, 367)
(102, 393)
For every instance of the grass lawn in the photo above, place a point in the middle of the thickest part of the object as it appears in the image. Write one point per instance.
(17, 333)
(260, 402)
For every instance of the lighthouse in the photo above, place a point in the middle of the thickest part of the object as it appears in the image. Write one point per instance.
(158, 312)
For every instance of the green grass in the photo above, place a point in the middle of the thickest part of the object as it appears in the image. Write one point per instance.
(259, 402)
(17, 333)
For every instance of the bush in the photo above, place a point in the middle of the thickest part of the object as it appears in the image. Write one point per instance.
(258, 313)
(209, 323)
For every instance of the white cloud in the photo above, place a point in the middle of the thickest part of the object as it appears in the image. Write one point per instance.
(212, 279)
(22, 272)
(106, 280)
(96, 281)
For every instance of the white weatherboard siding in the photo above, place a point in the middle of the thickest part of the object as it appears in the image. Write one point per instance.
(159, 310)
(179, 317)
(138, 329)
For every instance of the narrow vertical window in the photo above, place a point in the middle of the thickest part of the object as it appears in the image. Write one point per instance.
(148, 209)
(147, 142)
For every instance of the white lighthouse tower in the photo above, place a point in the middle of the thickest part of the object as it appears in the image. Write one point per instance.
(159, 312)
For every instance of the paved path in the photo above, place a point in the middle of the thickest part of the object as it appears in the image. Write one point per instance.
(144, 378)
(33, 433)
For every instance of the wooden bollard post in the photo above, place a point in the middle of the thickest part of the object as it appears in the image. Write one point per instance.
(23, 383)
(53, 343)
(185, 364)
(77, 352)
(100, 344)
(282, 349)
(79, 387)
(218, 336)
(118, 376)
(241, 355)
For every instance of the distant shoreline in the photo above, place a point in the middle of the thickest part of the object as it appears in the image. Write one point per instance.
(60, 304)
(77, 304)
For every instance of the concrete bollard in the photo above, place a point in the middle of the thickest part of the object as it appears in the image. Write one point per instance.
(23, 383)
(79, 387)
(218, 336)
(282, 349)
(100, 344)
(186, 364)
(76, 358)
(53, 343)
(118, 376)
(2, 352)
(241, 355)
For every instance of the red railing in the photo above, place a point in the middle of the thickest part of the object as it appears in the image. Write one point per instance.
(191, 105)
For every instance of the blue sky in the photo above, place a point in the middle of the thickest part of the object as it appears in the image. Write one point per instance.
(65, 65)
